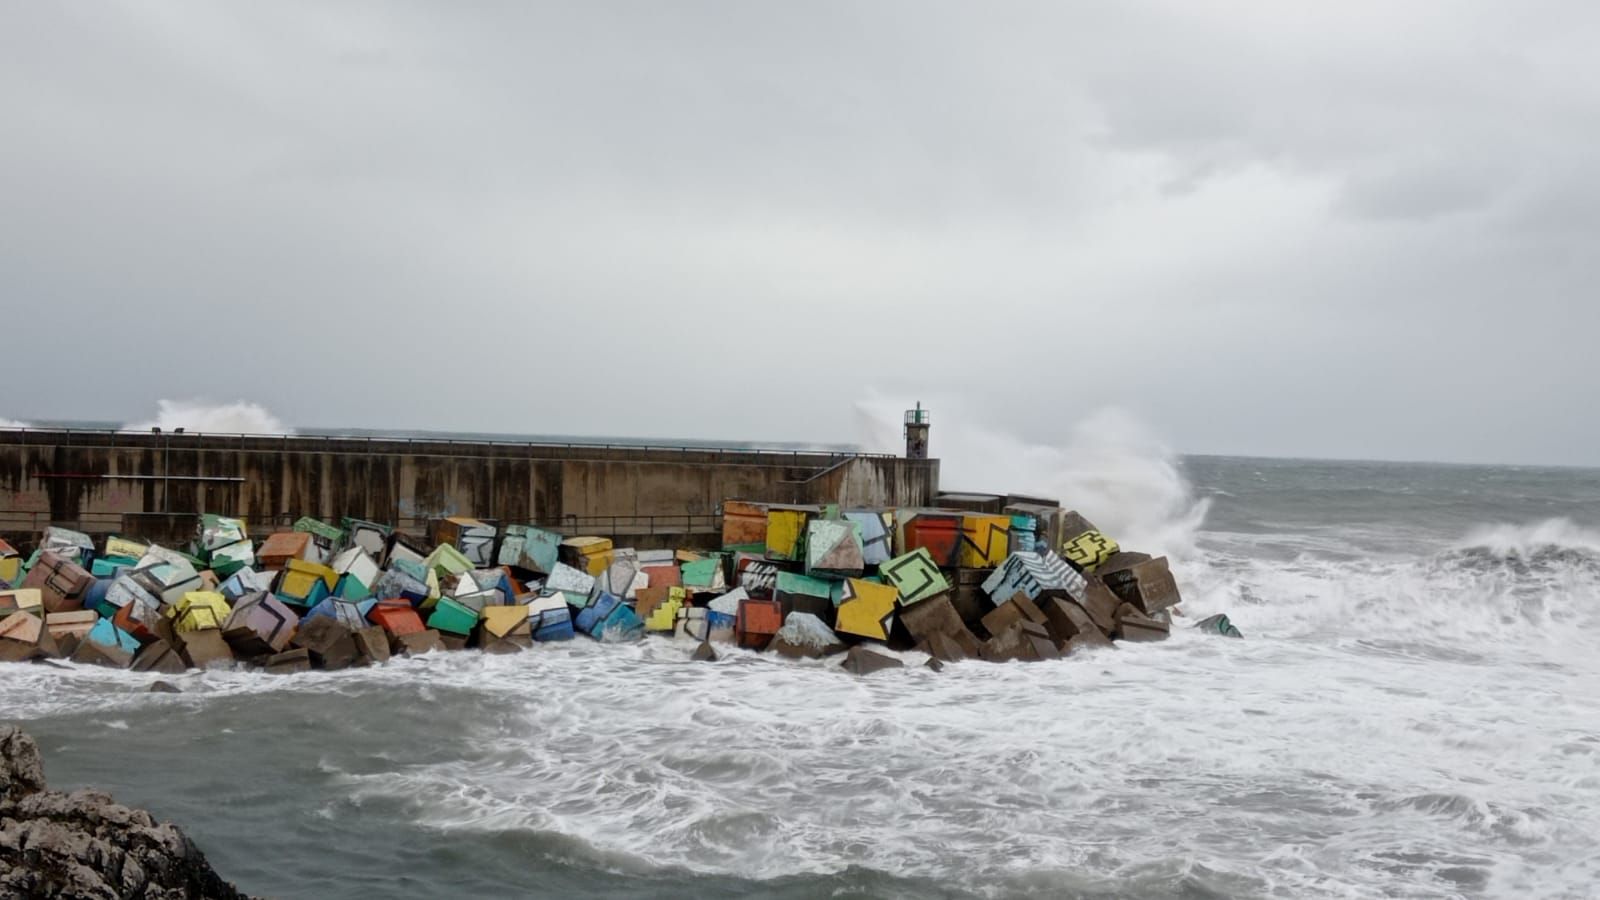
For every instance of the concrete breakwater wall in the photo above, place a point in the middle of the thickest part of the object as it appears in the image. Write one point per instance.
(803, 581)
(157, 484)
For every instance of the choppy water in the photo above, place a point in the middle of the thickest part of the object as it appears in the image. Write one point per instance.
(1415, 712)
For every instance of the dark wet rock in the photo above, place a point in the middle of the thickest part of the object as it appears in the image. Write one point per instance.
(861, 661)
(86, 845)
(164, 687)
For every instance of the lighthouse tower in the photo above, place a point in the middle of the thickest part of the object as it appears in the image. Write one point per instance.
(917, 433)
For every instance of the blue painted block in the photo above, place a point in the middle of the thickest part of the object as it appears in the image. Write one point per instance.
(95, 598)
(591, 617)
(395, 583)
(108, 635)
(622, 624)
(345, 612)
(554, 625)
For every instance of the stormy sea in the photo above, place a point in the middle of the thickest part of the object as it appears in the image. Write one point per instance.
(1414, 711)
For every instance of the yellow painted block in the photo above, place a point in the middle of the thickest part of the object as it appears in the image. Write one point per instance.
(985, 540)
(866, 608)
(121, 546)
(588, 545)
(314, 570)
(501, 620)
(596, 564)
(665, 616)
(9, 567)
(786, 530)
(199, 610)
(1089, 550)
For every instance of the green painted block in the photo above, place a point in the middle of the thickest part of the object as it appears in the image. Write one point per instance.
(916, 576)
(447, 560)
(227, 560)
(318, 528)
(448, 615)
(701, 574)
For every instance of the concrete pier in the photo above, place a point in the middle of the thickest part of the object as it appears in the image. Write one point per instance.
(155, 484)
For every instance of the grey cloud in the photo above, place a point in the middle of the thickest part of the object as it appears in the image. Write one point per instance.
(1266, 228)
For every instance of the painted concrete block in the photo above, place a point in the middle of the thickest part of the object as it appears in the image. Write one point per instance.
(757, 576)
(1147, 585)
(199, 610)
(743, 523)
(472, 538)
(786, 532)
(369, 536)
(213, 532)
(358, 564)
(867, 609)
(935, 531)
(833, 547)
(446, 561)
(325, 539)
(703, 576)
(565, 578)
(876, 530)
(916, 576)
(1089, 549)
(278, 549)
(452, 617)
(664, 617)
(259, 624)
(985, 540)
(621, 625)
(756, 623)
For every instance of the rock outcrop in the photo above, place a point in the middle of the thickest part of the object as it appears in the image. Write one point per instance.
(85, 845)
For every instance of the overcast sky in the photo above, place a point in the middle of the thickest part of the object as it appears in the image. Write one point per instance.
(1280, 228)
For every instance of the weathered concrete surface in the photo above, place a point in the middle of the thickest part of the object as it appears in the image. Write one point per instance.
(153, 484)
(85, 845)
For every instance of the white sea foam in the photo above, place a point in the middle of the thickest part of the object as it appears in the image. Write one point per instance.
(1403, 732)
(1113, 469)
(13, 423)
(238, 417)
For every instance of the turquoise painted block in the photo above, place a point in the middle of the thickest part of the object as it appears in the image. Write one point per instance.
(108, 635)
(351, 588)
(806, 585)
(540, 550)
(702, 574)
(108, 567)
(621, 625)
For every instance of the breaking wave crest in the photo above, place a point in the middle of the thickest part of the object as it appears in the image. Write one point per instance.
(1551, 536)
(238, 417)
(1501, 590)
(13, 423)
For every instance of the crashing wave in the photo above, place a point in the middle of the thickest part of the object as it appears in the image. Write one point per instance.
(239, 417)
